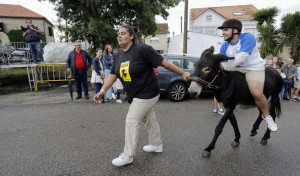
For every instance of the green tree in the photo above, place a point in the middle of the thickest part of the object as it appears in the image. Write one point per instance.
(265, 26)
(97, 20)
(290, 33)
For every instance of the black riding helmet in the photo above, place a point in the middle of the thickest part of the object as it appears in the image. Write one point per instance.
(232, 23)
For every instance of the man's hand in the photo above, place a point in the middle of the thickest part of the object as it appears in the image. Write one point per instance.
(68, 69)
(290, 77)
(221, 66)
(25, 33)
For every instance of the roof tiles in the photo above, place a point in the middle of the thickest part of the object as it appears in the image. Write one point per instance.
(226, 11)
(17, 11)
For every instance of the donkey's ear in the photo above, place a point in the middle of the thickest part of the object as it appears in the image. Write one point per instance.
(208, 51)
(220, 58)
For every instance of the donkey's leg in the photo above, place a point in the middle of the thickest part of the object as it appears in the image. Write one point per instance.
(237, 133)
(256, 124)
(264, 140)
(218, 131)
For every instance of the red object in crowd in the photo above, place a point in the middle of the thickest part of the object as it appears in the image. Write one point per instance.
(156, 71)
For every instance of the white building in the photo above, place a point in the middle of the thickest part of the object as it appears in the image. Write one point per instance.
(14, 16)
(204, 32)
(207, 20)
(160, 41)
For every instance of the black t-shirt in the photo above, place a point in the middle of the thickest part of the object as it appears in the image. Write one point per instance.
(135, 70)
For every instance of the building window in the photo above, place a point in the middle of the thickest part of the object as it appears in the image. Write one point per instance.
(154, 39)
(237, 13)
(205, 30)
(1, 27)
(208, 18)
(50, 31)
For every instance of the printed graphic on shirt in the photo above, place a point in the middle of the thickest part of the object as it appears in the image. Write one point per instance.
(124, 71)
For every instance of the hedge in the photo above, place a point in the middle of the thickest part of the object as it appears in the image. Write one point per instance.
(17, 36)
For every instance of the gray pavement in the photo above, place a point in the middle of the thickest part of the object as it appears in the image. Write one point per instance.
(44, 133)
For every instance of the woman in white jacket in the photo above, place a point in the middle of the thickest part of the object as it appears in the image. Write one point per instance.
(98, 73)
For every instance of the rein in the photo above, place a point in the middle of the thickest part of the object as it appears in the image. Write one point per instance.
(208, 84)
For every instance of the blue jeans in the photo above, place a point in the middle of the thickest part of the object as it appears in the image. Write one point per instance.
(98, 87)
(110, 90)
(35, 47)
(286, 89)
(81, 78)
(118, 92)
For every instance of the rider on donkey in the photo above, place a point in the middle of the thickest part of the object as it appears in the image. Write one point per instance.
(243, 47)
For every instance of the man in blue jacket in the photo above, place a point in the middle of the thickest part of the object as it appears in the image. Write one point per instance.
(80, 61)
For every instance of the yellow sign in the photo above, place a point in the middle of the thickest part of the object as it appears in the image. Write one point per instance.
(124, 71)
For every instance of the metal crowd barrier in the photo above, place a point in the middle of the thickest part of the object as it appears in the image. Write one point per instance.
(50, 73)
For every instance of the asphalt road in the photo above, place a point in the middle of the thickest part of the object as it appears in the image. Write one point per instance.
(44, 133)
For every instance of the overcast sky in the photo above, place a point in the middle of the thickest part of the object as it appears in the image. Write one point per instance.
(285, 6)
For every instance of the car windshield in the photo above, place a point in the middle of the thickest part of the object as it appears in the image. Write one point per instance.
(176, 61)
(190, 63)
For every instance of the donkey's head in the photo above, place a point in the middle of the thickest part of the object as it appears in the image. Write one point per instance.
(207, 69)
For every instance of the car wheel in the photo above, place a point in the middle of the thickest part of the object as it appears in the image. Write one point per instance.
(177, 91)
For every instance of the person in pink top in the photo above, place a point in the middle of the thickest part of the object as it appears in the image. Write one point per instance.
(118, 88)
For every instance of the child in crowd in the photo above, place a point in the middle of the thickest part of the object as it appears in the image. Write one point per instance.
(117, 89)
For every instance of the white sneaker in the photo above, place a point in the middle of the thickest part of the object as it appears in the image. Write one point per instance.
(270, 123)
(119, 101)
(153, 148)
(114, 96)
(122, 160)
(215, 110)
(221, 111)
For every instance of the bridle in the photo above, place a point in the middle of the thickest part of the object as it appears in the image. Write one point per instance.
(208, 84)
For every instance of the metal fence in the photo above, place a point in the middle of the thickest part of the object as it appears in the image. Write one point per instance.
(16, 52)
(51, 73)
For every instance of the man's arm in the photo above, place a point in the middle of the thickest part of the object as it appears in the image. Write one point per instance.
(240, 58)
(25, 33)
(89, 59)
(68, 62)
(36, 30)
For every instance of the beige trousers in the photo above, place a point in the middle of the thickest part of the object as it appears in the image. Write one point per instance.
(141, 110)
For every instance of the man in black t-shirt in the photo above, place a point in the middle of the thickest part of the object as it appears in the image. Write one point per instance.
(133, 65)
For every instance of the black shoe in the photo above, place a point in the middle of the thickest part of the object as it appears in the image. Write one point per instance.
(87, 97)
(78, 97)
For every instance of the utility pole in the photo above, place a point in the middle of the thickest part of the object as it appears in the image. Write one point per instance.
(180, 24)
(185, 26)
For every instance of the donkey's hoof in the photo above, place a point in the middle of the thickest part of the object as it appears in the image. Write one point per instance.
(205, 154)
(235, 144)
(253, 134)
(263, 142)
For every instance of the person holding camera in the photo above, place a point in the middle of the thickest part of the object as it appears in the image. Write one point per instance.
(33, 38)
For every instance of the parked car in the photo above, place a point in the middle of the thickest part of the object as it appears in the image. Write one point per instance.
(5, 52)
(172, 84)
(19, 54)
